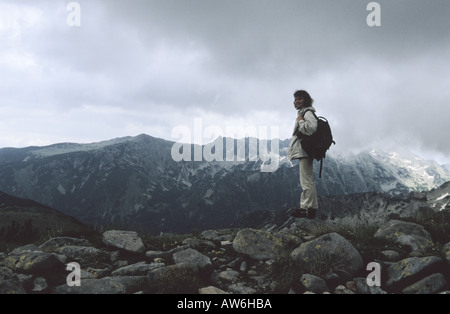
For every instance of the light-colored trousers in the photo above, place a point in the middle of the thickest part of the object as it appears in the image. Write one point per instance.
(308, 198)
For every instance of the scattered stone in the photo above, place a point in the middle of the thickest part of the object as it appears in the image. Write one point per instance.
(84, 255)
(415, 209)
(212, 265)
(332, 249)
(229, 276)
(211, 290)
(446, 251)
(391, 256)
(51, 245)
(165, 255)
(406, 233)
(191, 256)
(428, 285)
(262, 245)
(313, 283)
(199, 244)
(363, 288)
(107, 285)
(33, 262)
(241, 288)
(138, 269)
(178, 278)
(342, 290)
(40, 285)
(125, 240)
(10, 283)
(412, 269)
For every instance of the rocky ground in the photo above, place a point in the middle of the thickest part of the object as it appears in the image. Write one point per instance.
(299, 256)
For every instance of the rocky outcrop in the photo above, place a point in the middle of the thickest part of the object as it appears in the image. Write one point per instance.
(231, 261)
(125, 240)
(262, 245)
(331, 249)
(407, 233)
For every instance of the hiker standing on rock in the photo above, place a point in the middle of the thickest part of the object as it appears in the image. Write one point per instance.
(305, 124)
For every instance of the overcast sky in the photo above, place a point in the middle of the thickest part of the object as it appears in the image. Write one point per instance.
(144, 66)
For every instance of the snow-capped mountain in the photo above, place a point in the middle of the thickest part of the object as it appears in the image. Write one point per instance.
(134, 182)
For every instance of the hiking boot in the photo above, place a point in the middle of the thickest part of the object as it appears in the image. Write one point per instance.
(311, 213)
(298, 213)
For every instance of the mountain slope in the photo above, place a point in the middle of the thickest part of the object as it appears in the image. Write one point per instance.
(17, 213)
(134, 182)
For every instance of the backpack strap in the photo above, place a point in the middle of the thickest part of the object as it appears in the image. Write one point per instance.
(311, 112)
(321, 160)
(320, 171)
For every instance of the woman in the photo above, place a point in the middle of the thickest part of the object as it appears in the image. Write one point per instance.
(305, 124)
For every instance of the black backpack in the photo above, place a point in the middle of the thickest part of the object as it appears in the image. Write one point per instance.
(317, 144)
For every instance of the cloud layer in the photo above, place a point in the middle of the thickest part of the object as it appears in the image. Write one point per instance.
(145, 66)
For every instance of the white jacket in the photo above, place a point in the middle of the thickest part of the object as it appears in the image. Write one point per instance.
(307, 126)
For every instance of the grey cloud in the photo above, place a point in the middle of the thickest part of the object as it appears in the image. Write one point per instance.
(236, 58)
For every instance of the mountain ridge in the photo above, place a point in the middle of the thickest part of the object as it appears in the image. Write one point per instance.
(134, 182)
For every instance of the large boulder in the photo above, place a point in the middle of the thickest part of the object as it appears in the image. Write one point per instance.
(53, 244)
(84, 255)
(29, 259)
(137, 269)
(125, 240)
(429, 285)
(107, 285)
(263, 245)
(411, 270)
(406, 233)
(10, 283)
(332, 249)
(446, 251)
(191, 256)
(177, 278)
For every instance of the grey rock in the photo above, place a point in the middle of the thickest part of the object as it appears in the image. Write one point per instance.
(191, 256)
(446, 251)
(124, 240)
(342, 290)
(138, 269)
(107, 285)
(40, 285)
(363, 288)
(80, 253)
(199, 244)
(166, 255)
(332, 249)
(431, 284)
(313, 283)
(241, 288)
(406, 233)
(55, 243)
(211, 290)
(229, 276)
(10, 282)
(410, 270)
(415, 209)
(391, 256)
(24, 250)
(263, 245)
(177, 278)
(33, 262)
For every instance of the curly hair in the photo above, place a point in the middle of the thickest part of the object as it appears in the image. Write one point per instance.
(302, 94)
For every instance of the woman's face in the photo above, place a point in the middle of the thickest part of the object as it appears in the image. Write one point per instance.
(298, 103)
